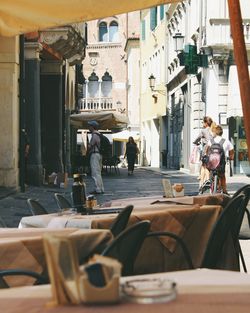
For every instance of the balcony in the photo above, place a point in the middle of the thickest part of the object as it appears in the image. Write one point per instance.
(96, 104)
(220, 33)
(67, 41)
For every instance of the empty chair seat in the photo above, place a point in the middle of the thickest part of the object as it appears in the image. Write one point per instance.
(62, 202)
(36, 208)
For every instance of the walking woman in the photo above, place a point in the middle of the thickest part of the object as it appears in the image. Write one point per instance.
(205, 135)
(131, 154)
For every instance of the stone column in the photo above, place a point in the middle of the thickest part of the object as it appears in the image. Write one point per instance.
(52, 112)
(197, 105)
(34, 170)
(9, 117)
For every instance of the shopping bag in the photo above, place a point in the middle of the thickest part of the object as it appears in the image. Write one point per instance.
(195, 155)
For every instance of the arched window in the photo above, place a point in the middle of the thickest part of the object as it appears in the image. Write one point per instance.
(93, 85)
(113, 32)
(103, 32)
(106, 86)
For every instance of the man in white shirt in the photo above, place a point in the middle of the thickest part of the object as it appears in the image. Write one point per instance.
(95, 157)
(228, 150)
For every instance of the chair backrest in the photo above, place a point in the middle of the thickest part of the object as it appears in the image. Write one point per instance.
(121, 220)
(2, 223)
(36, 208)
(126, 246)
(62, 202)
(245, 189)
(228, 224)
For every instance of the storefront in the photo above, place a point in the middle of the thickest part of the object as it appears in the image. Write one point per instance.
(237, 136)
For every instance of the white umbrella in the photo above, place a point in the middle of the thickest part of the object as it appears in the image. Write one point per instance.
(106, 120)
(125, 134)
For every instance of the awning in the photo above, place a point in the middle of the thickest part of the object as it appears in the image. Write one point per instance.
(19, 17)
(106, 120)
(125, 134)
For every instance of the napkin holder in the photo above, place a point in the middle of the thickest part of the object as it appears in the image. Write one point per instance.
(108, 289)
(95, 282)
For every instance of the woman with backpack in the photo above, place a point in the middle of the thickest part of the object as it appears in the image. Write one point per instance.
(227, 150)
(131, 154)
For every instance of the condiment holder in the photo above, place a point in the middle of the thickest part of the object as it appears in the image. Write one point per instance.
(95, 282)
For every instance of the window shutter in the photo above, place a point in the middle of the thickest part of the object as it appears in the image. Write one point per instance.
(143, 30)
(153, 18)
(162, 12)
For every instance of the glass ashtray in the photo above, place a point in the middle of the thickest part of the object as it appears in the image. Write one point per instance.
(149, 290)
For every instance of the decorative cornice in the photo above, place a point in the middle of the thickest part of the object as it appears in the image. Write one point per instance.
(68, 41)
(177, 80)
(101, 45)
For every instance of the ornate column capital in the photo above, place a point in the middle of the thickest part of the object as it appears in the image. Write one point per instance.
(32, 50)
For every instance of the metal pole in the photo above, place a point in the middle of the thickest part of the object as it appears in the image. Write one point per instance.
(240, 55)
(22, 116)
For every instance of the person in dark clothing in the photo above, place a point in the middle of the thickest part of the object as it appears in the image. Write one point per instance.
(131, 154)
(26, 155)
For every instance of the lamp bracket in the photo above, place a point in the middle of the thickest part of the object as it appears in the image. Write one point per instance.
(160, 91)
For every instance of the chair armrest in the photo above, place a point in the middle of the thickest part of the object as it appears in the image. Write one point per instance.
(40, 280)
(180, 242)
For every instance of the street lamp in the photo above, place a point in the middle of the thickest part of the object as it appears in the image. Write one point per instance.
(178, 42)
(188, 56)
(151, 80)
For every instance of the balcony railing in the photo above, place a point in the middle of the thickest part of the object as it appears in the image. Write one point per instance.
(102, 104)
(220, 32)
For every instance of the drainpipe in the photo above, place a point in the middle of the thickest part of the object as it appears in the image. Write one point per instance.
(167, 156)
(241, 61)
(22, 115)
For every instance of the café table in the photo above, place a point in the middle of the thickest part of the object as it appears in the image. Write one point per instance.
(200, 290)
(23, 248)
(151, 203)
(187, 217)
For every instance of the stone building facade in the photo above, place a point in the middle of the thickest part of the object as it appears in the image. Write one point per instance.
(105, 65)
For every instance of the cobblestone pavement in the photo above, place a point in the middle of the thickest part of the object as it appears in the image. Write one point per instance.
(144, 182)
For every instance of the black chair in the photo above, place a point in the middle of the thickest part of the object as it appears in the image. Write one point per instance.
(126, 246)
(62, 202)
(245, 229)
(111, 162)
(40, 280)
(178, 240)
(36, 208)
(2, 223)
(240, 190)
(121, 221)
(227, 225)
